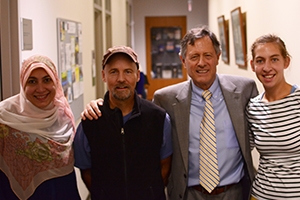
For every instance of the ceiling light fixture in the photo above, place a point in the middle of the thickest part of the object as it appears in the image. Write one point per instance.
(190, 2)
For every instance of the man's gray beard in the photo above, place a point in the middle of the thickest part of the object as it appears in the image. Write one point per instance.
(122, 97)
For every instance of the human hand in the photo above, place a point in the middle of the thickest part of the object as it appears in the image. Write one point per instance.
(91, 110)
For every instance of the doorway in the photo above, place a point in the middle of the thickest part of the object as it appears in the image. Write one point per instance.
(163, 35)
(103, 39)
(9, 49)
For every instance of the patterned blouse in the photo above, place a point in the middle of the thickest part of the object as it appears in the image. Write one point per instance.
(275, 132)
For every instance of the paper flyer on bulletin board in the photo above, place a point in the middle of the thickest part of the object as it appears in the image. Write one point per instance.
(70, 62)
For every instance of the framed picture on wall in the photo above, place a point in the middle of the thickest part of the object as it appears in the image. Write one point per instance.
(224, 38)
(239, 37)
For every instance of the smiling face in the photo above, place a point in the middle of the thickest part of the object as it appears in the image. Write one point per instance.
(39, 88)
(268, 63)
(121, 75)
(201, 62)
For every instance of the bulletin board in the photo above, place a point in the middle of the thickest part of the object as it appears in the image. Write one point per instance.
(69, 45)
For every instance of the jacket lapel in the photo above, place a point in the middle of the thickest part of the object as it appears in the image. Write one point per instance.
(182, 119)
(235, 107)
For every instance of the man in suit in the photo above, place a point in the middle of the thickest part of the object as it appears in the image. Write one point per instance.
(200, 52)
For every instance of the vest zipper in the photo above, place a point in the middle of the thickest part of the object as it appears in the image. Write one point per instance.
(124, 159)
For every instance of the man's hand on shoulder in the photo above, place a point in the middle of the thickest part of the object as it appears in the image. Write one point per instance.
(91, 110)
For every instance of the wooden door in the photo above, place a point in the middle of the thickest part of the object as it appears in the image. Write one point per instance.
(163, 35)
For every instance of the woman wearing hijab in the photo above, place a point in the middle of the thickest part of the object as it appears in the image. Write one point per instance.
(36, 134)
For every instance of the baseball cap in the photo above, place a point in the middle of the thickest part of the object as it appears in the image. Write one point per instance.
(120, 49)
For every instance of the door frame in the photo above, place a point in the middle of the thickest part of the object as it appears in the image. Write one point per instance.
(9, 48)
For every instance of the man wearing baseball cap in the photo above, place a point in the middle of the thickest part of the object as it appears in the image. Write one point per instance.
(125, 153)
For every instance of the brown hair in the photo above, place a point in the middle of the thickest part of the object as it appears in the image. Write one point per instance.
(270, 38)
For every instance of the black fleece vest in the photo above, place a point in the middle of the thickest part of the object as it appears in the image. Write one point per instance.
(126, 158)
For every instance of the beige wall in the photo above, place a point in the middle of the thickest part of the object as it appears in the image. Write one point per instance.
(267, 16)
(43, 14)
(119, 19)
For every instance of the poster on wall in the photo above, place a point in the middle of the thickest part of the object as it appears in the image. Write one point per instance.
(69, 36)
(70, 58)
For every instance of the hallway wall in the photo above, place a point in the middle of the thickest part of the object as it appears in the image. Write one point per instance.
(268, 16)
(142, 9)
(43, 14)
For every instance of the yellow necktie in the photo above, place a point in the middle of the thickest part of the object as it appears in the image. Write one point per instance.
(209, 173)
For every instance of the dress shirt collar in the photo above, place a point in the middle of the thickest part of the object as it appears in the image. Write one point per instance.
(214, 89)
